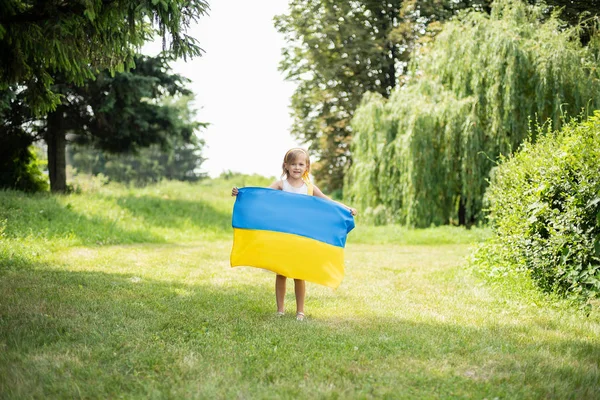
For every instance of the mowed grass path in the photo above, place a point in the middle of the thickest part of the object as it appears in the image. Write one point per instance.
(171, 319)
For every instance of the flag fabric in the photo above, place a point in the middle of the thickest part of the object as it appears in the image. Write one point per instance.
(297, 236)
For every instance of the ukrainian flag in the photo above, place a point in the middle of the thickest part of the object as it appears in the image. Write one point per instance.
(297, 236)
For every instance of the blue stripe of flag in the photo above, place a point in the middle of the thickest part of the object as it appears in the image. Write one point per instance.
(308, 216)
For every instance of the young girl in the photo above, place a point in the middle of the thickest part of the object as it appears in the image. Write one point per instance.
(296, 167)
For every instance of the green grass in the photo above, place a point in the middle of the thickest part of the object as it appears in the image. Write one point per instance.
(128, 293)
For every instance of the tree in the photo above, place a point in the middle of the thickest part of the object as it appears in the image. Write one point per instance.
(573, 11)
(75, 39)
(182, 159)
(118, 114)
(338, 51)
(424, 156)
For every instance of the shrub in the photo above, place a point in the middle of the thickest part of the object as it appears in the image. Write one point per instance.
(20, 169)
(544, 205)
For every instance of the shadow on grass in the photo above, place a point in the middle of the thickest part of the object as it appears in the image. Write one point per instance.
(119, 335)
(175, 213)
(44, 217)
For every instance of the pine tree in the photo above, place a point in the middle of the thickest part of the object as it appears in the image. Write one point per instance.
(75, 39)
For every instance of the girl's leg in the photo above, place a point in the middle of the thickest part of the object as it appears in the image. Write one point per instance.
(280, 281)
(300, 289)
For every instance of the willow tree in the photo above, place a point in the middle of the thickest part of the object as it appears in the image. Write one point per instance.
(424, 156)
(335, 52)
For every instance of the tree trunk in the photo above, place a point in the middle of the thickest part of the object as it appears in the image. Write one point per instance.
(57, 143)
(462, 212)
(462, 215)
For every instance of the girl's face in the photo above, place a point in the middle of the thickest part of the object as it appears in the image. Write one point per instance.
(296, 167)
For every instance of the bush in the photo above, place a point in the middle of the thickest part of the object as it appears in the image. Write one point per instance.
(20, 169)
(544, 205)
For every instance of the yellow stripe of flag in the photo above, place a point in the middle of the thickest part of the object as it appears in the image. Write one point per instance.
(289, 255)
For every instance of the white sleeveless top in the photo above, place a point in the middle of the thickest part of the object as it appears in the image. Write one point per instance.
(289, 188)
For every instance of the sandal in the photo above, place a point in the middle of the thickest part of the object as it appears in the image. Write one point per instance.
(280, 313)
(299, 316)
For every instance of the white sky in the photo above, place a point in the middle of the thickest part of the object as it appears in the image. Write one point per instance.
(238, 88)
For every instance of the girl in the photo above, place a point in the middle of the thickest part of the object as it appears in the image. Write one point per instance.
(296, 167)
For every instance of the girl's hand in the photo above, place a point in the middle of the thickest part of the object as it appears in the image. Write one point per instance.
(234, 191)
(353, 211)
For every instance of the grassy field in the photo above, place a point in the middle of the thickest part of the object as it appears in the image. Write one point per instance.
(128, 293)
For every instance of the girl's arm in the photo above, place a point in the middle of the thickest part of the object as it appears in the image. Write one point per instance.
(317, 192)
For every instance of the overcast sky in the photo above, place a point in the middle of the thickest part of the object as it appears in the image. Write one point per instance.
(238, 88)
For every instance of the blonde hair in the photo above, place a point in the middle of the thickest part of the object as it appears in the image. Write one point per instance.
(290, 157)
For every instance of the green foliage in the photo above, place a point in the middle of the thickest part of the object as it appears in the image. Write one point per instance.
(574, 12)
(149, 165)
(130, 110)
(180, 159)
(75, 39)
(19, 166)
(545, 210)
(20, 169)
(123, 113)
(424, 156)
(337, 51)
(147, 105)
